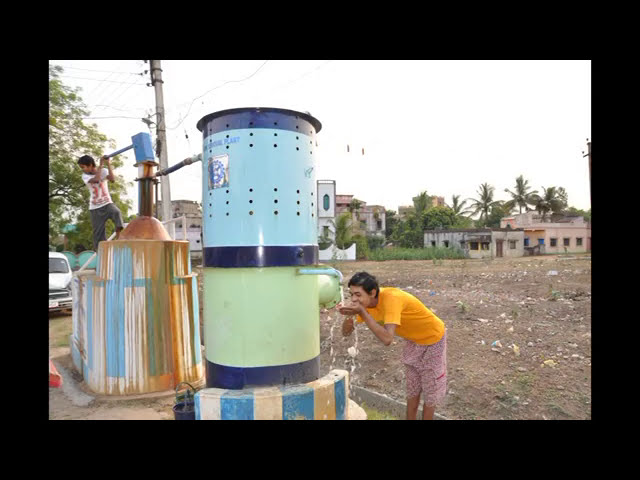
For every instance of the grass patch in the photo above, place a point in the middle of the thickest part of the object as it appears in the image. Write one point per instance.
(59, 331)
(430, 253)
(524, 382)
(373, 414)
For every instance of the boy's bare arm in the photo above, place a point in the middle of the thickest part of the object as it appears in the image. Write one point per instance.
(97, 178)
(110, 175)
(384, 333)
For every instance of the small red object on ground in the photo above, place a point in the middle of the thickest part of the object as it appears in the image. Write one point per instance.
(55, 379)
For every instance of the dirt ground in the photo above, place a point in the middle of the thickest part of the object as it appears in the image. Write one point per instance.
(538, 308)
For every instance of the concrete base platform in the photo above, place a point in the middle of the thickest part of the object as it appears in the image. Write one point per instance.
(324, 399)
(356, 412)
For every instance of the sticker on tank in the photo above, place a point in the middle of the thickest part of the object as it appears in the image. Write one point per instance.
(218, 168)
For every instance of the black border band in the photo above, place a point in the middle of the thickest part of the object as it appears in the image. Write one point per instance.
(236, 378)
(260, 256)
(243, 118)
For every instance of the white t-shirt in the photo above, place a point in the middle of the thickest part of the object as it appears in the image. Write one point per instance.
(99, 191)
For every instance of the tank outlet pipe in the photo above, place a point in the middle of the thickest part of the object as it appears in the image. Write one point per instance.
(178, 166)
(332, 272)
(329, 285)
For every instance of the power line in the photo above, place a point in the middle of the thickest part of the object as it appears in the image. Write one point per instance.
(103, 71)
(116, 108)
(219, 86)
(102, 80)
(107, 93)
(126, 89)
(95, 118)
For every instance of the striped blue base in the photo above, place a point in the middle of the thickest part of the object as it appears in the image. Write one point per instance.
(324, 399)
(235, 378)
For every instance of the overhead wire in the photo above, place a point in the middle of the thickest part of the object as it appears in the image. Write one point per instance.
(104, 71)
(109, 91)
(215, 88)
(103, 80)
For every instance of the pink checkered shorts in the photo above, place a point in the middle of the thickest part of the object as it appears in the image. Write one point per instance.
(426, 370)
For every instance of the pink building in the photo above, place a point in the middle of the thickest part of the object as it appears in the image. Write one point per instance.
(564, 235)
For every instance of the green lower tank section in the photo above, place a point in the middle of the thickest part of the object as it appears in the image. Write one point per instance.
(257, 317)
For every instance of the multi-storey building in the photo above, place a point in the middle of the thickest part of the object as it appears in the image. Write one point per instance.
(370, 218)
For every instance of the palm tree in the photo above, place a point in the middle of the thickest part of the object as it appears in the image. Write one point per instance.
(484, 203)
(458, 206)
(354, 206)
(421, 202)
(521, 197)
(552, 200)
(345, 228)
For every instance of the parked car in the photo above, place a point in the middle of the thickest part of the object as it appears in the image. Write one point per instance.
(59, 282)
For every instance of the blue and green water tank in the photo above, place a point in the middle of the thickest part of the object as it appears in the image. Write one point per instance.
(261, 318)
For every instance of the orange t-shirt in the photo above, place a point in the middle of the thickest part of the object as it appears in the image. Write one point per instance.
(414, 321)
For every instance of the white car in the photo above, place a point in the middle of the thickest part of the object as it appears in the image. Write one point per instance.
(59, 282)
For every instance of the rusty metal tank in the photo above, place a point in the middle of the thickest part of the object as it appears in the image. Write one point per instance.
(136, 326)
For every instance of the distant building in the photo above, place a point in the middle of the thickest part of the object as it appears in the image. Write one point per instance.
(479, 242)
(193, 213)
(371, 218)
(326, 208)
(404, 210)
(557, 234)
(437, 202)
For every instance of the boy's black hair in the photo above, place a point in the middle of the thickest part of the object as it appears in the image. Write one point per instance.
(87, 160)
(365, 280)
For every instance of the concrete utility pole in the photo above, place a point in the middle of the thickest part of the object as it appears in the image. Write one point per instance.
(588, 154)
(161, 147)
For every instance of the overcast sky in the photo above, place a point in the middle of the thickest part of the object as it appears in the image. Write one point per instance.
(441, 126)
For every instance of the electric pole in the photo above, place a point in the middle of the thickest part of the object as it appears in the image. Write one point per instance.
(161, 143)
(588, 154)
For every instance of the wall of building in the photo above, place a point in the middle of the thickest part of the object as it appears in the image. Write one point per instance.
(466, 239)
(326, 211)
(372, 218)
(513, 243)
(572, 234)
(570, 228)
(188, 208)
(333, 253)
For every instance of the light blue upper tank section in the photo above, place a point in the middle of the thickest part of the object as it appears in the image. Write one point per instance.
(259, 187)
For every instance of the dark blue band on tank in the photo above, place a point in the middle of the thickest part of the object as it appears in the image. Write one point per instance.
(236, 378)
(241, 118)
(260, 256)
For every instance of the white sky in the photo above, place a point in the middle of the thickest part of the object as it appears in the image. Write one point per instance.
(440, 126)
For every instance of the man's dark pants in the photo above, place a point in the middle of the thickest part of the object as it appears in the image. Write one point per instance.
(99, 217)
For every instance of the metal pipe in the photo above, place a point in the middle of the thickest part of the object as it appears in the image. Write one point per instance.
(323, 271)
(177, 166)
(94, 255)
(145, 197)
(119, 151)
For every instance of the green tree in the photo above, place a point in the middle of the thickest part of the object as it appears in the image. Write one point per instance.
(421, 202)
(345, 230)
(70, 138)
(409, 233)
(522, 195)
(391, 222)
(439, 217)
(354, 207)
(498, 211)
(484, 202)
(553, 200)
(574, 212)
(458, 207)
